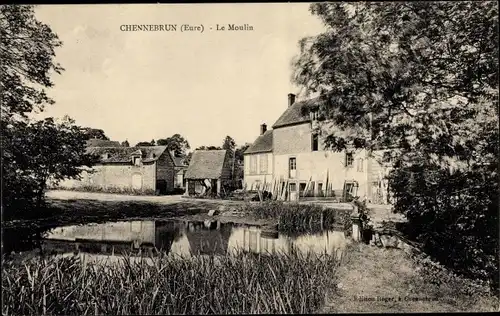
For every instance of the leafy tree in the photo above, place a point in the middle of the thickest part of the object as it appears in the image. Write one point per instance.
(240, 151)
(176, 143)
(125, 143)
(31, 151)
(141, 144)
(209, 148)
(94, 133)
(27, 53)
(422, 77)
(229, 144)
(53, 151)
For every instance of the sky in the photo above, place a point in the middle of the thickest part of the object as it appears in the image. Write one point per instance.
(139, 86)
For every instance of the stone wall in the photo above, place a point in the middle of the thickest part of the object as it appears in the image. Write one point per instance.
(116, 177)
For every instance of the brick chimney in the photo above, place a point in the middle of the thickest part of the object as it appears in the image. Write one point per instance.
(291, 99)
(263, 129)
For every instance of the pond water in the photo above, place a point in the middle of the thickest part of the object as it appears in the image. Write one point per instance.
(185, 238)
(182, 238)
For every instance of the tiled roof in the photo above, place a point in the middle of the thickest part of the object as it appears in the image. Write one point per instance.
(295, 113)
(94, 142)
(178, 161)
(263, 143)
(124, 154)
(206, 164)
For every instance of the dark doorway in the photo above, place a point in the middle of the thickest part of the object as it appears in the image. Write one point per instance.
(161, 186)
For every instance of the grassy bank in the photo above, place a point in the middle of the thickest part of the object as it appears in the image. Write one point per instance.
(299, 218)
(380, 280)
(78, 211)
(240, 283)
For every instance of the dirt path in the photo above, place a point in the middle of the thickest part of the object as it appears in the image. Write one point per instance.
(164, 199)
(378, 280)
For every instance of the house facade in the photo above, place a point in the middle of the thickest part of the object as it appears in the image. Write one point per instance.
(149, 169)
(296, 156)
(258, 159)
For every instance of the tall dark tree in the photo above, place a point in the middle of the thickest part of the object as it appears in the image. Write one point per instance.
(176, 143)
(240, 151)
(27, 53)
(229, 143)
(125, 143)
(422, 77)
(32, 152)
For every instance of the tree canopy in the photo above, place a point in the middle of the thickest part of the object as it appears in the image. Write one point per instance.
(229, 143)
(94, 133)
(400, 70)
(176, 143)
(27, 51)
(421, 77)
(32, 151)
(141, 144)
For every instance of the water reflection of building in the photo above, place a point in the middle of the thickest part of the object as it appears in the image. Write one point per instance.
(185, 239)
(209, 237)
(111, 238)
(256, 240)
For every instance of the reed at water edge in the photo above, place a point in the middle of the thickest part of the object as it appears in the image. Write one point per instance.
(238, 283)
(299, 218)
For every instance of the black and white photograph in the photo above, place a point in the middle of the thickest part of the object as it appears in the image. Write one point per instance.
(250, 158)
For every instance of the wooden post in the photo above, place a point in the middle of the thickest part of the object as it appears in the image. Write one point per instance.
(357, 227)
(322, 219)
(218, 186)
(186, 192)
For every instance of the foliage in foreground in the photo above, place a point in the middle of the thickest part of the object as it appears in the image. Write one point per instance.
(241, 283)
(299, 218)
(35, 152)
(421, 77)
(32, 151)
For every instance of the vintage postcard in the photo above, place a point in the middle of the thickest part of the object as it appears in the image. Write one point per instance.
(238, 158)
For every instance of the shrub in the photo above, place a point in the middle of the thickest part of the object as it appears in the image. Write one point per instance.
(453, 215)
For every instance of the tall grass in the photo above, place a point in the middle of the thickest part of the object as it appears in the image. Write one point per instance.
(300, 218)
(239, 283)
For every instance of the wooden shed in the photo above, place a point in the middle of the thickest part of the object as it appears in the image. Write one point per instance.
(208, 173)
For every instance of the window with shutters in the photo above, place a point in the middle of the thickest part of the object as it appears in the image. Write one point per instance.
(263, 164)
(253, 164)
(292, 167)
(349, 159)
(315, 142)
(360, 164)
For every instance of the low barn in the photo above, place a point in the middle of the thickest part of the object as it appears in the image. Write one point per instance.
(148, 169)
(209, 172)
